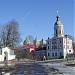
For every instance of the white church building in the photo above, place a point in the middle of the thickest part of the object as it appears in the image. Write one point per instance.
(6, 54)
(60, 45)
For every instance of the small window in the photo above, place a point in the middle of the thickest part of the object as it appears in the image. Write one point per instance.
(48, 42)
(52, 54)
(55, 54)
(60, 41)
(48, 47)
(62, 31)
(52, 47)
(69, 50)
(56, 31)
(60, 46)
(59, 31)
(48, 54)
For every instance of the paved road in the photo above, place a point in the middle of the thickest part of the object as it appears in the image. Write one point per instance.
(25, 67)
(28, 69)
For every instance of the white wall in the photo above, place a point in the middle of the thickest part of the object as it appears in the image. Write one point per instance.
(9, 57)
(0, 57)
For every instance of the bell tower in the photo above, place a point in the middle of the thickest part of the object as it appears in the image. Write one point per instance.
(58, 28)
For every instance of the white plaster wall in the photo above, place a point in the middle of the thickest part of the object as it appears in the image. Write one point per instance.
(9, 57)
(65, 53)
(68, 46)
(0, 57)
(4, 50)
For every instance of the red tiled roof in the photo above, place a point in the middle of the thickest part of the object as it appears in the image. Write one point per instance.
(26, 46)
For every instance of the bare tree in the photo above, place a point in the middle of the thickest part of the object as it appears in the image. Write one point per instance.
(10, 34)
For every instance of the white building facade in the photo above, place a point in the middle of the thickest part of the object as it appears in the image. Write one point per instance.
(6, 54)
(60, 45)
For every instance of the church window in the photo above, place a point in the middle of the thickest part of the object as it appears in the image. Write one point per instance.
(54, 42)
(62, 31)
(59, 31)
(60, 41)
(48, 47)
(60, 46)
(48, 54)
(55, 54)
(52, 47)
(56, 31)
(55, 47)
(52, 54)
(69, 50)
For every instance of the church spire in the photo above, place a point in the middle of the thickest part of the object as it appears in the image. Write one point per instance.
(27, 41)
(58, 28)
(58, 18)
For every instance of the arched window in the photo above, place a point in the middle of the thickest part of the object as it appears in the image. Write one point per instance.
(59, 31)
(48, 47)
(56, 31)
(55, 54)
(48, 54)
(69, 50)
(62, 31)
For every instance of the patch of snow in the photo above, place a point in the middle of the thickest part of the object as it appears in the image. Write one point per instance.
(65, 70)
